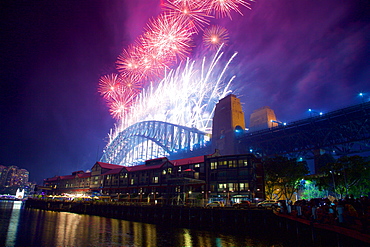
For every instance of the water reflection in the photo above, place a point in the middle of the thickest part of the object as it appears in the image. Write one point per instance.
(13, 224)
(32, 227)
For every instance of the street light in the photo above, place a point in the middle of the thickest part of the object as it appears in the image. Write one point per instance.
(362, 97)
(278, 122)
(313, 111)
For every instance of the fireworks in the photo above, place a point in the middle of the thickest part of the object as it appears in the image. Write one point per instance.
(214, 37)
(198, 86)
(167, 38)
(133, 94)
(192, 13)
(223, 8)
(107, 85)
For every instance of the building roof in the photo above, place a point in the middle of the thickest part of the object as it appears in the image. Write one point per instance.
(113, 171)
(186, 161)
(144, 167)
(52, 179)
(84, 175)
(107, 165)
(67, 177)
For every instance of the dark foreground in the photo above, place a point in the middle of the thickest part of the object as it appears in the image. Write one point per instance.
(265, 221)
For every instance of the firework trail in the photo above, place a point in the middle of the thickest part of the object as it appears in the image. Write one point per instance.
(134, 95)
(198, 87)
(168, 38)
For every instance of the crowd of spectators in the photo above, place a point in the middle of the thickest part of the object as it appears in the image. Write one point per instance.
(347, 212)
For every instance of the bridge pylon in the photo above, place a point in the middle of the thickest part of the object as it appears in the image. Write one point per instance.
(228, 123)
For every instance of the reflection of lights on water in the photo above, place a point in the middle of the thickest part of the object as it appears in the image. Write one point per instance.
(67, 224)
(13, 224)
(219, 242)
(187, 238)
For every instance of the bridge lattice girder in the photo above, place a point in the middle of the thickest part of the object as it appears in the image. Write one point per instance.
(152, 139)
(344, 131)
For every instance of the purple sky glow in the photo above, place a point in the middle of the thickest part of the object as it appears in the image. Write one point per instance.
(293, 55)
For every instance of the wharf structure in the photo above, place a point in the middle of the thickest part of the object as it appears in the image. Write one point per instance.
(195, 180)
(225, 175)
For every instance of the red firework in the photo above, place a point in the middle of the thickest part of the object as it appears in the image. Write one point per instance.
(131, 82)
(130, 62)
(214, 37)
(167, 38)
(122, 101)
(222, 8)
(191, 13)
(108, 85)
(139, 62)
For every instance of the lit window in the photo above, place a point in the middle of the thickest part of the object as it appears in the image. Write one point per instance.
(155, 180)
(222, 186)
(132, 181)
(213, 165)
(243, 163)
(164, 172)
(243, 186)
(232, 163)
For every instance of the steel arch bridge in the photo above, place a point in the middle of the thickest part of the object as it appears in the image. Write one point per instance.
(152, 139)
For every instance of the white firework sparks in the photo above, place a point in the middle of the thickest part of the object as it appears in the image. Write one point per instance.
(187, 96)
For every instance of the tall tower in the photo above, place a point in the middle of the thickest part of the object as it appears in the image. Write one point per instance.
(262, 118)
(228, 121)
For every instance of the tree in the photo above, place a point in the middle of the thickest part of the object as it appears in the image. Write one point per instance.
(283, 176)
(347, 175)
(310, 190)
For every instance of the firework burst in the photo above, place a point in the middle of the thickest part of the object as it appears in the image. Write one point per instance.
(166, 41)
(198, 86)
(214, 37)
(192, 13)
(223, 8)
(131, 82)
(167, 38)
(108, 85)
(120, 105)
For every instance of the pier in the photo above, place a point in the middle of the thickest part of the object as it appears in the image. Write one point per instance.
(229, 218)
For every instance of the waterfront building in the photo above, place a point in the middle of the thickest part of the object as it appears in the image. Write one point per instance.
(200, 179)
(230, 177)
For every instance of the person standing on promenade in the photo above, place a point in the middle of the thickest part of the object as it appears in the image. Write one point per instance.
(340, 211)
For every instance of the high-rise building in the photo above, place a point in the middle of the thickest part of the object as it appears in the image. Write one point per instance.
(3, 170)
(12, 176)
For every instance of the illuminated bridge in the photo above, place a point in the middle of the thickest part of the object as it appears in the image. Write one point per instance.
(341, 132)
(152, 139)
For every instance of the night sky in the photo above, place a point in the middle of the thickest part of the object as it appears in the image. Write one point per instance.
(293, 55)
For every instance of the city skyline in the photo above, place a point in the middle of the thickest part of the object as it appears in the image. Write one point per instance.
(291, 57)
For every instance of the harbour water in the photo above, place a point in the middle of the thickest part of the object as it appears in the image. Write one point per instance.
(20, 226)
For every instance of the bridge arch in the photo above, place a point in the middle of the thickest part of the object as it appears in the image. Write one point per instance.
(152, 139)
